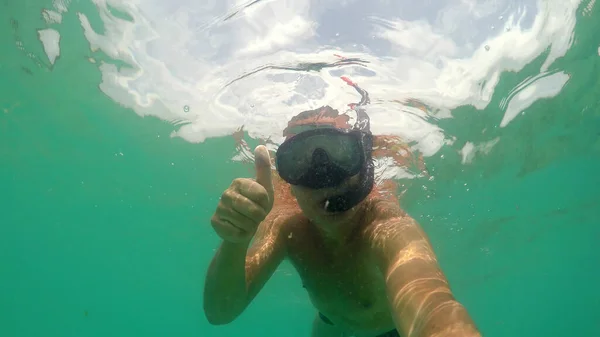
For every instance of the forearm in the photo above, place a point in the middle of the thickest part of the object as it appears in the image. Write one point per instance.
(225, 290)
(447, 319)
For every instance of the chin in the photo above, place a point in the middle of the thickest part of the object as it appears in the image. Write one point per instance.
(337, 216)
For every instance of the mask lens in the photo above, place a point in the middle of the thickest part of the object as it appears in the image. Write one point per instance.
(321, 147)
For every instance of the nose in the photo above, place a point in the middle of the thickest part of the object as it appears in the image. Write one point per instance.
(320, 157)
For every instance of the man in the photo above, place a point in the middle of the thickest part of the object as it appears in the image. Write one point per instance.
(368, 267)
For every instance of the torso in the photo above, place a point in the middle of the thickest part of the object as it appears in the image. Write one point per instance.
(343, 282)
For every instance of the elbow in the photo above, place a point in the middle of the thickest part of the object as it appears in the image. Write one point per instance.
(215, 319)
(222, 309)
(216, 316)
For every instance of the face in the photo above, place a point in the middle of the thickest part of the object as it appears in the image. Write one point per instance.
(312, 201)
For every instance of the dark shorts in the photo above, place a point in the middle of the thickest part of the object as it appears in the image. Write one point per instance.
(392, 333)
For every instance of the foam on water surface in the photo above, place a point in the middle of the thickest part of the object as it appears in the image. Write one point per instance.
(211, 67)
(51, 41)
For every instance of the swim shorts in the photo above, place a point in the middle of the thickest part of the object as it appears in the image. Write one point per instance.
(392, 333)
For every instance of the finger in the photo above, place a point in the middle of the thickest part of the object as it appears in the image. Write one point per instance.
(239, 221)
(256, 194)
(262, 163)
(250, 211)
(226, 230)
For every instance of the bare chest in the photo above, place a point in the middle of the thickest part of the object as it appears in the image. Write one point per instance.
(343, 284)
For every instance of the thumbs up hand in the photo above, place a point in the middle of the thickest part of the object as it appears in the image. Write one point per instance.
(246, 202)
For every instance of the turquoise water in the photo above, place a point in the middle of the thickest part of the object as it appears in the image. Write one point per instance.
(105, 201)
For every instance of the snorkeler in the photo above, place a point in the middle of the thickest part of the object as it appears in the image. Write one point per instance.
(368, 267)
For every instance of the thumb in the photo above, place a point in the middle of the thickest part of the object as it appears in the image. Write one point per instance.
(262, 163)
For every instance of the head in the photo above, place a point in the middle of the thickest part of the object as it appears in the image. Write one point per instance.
(327, 162)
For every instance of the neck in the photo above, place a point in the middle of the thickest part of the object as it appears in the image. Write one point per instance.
(340, 229)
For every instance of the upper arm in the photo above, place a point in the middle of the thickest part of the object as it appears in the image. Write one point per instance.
(415, 284)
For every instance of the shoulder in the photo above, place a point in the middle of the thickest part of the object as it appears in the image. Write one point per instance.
(382, 204)
(393, 237)
(281, 221)
(387, 222)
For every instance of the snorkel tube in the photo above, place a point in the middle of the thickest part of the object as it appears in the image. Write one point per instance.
(355, 194)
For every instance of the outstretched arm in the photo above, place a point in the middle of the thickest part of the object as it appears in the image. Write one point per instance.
(420, 298)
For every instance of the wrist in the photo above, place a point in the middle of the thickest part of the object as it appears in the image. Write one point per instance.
(451, 320)
(235, 247)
